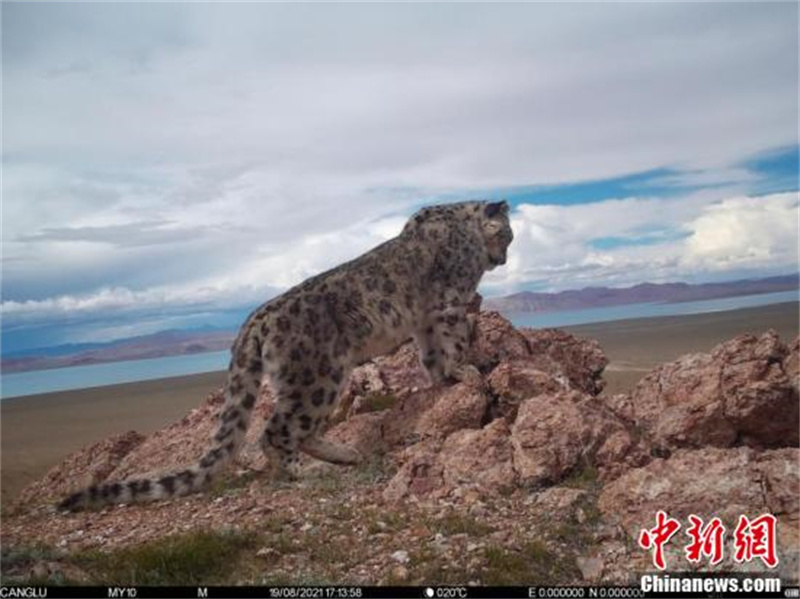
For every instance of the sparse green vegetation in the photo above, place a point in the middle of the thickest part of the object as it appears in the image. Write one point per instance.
(343, 512)
(284, 544)
(12, 557)
(385, 522)
(426, 566)
(188, 559)
(454, 523)
(373, 470)
(578, 534)
(275, 523)
(534, 563)
(19, 566)
(584, 476)
(376, 402)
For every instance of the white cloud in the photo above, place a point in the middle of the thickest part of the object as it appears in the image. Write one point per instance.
(234, 149)
(686, 238)
(552, 246)
(746, 232)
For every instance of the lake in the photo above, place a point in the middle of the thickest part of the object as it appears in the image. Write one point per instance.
(650, 310)
(18, 384)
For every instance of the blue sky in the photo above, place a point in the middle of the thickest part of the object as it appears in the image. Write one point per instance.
(171, 165)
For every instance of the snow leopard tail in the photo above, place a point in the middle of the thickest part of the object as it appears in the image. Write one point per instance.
(241, 390)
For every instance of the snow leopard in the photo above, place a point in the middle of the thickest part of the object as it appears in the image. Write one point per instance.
(306, 341)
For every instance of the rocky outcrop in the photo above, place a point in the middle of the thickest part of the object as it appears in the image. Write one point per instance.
(713, 482)
(743, 392)
(709, 434)
(478, 458)
(556, 434)
(580, 361)
(496, 340)
(515, 381)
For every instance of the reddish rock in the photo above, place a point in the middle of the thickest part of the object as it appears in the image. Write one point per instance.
(400, 423)
(457, 407)
(712, 482)
(363, 381)
(401, 371)
(780, 469)
(434, 413)
(482, 457)
(581, 361)
(760, 400)
(740, 393)
(495, 339)
(420, 473)
(621, 404)
(514, 381)
(791, 363)
(558, 501)
(555, 434)
(362, 431)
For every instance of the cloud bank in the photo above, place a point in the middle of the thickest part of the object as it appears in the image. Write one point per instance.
(161, 158)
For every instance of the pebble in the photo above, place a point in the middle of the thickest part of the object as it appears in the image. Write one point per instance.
(591, 567)
(478, 509)
(400, 573)
(306, 527)
(401, 557)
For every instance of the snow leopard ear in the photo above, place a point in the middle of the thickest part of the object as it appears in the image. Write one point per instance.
(494, 208)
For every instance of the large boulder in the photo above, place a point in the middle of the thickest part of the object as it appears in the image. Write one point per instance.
(482, 457)
(495, 339)
(712, 482)
(554, 435)
(578, 360)
(471, 458)
(515, 381)
(743, 392)
(364, 432)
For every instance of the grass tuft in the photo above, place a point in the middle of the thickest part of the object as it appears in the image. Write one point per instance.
(178, 560)
(534, 563)
(582, 477)
(376, 402)
(454, 523)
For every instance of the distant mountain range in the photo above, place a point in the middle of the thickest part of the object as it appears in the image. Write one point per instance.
(158, 345)
(172, 343)
(597, 297)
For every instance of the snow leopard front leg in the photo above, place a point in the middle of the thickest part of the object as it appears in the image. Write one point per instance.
(443, 343)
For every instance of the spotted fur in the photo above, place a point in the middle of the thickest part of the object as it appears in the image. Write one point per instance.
(307, 341)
